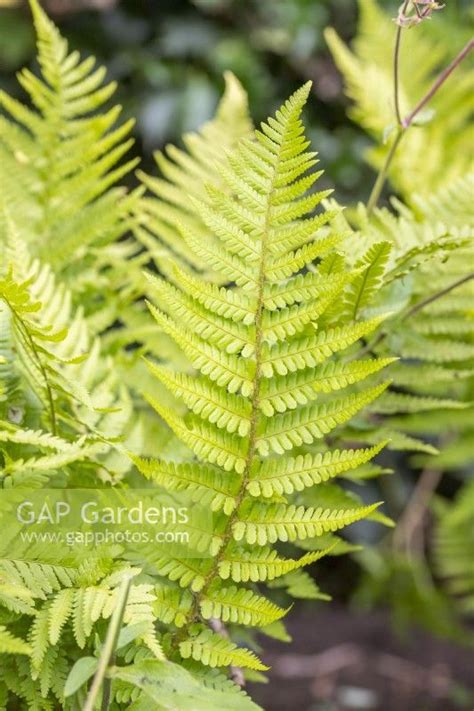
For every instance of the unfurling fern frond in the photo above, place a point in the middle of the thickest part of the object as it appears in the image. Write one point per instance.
(259, 344)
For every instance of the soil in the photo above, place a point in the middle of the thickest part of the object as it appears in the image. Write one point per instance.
(341, 660)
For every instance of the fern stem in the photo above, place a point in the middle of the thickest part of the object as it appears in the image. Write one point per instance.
(413, 517)
(108, 651)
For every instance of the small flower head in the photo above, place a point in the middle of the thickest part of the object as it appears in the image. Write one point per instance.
(417, 11)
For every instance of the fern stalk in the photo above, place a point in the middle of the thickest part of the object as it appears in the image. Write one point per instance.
(406, 122)
(382, 176)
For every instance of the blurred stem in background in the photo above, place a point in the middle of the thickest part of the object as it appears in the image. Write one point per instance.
(403, 124)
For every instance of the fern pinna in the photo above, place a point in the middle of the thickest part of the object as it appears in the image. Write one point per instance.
(262, 384)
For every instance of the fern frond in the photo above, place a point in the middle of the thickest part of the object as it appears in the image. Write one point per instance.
(302, 426)
(172, 605)
(215, 651)
(205, 484)
(313, 350)
(284, 476)
(9, 644)
(363, 288)
(299, 584)
(283, 393)
(258, 564)
(453, 546)
(261, 344)
(65, 173)
(240, 606)
(269, 523)
(391, 403)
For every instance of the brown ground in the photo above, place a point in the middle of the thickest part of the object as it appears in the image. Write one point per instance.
(341, 660)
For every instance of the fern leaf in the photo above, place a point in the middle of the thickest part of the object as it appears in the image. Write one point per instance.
(287, 392)
(215, 651)
(259, 564)
(284, 476)
(312, 350)
(284, 432)
(265, 523)
(206, 485)
(66, 182)
(9, 644)
(240, 606)
(366, 284)
(264, 343)
(59, 612)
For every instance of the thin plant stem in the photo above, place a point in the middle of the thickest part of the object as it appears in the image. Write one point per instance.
(408, 534)
(396, 67)
(417, 307)
(382, 176)
(108, 650)
(405, 123)
(439, 294)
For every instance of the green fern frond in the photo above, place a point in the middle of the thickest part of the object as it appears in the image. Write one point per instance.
(60, 159)
(257, 346)
(283, 393)
(9, 644)
(206, 485)
(313, 350)
(240, 606)
(269, 523)
(300, 585)
(453, 547)
(368, 283)
(304, 425)
(215, 651)
(284, 476)
(259, 564)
